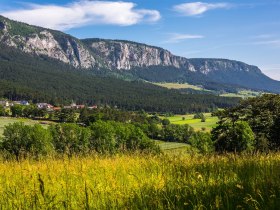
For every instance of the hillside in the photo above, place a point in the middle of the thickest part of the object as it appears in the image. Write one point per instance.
(158, 65)
(25, 76)
(133, 60)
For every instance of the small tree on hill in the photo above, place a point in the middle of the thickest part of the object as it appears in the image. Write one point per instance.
(203, 118)
(165, 122)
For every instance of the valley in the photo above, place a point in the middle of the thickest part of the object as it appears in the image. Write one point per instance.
(109, 123)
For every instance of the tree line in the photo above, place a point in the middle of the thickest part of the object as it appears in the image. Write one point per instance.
(249, 127)
(253, 125)
(21, 141)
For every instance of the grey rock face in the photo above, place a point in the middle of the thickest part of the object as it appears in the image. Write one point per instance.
(110, 54)
(126, 55)
(44, 43)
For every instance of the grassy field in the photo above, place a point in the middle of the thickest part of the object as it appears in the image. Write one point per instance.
(243, 94)
(142, 182)
(195, 123)
(179, 86)
(172, 146)
(7, 120)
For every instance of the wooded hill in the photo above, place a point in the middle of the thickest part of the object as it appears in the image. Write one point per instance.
(42, 79)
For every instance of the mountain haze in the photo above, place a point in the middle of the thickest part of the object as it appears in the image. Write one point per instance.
(140, 61)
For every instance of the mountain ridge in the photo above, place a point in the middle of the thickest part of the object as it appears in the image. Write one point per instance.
(127, 57)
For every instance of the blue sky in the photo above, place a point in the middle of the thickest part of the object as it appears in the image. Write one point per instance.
(244, 30)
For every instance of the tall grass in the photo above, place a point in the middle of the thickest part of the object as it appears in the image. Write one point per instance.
(142, 182)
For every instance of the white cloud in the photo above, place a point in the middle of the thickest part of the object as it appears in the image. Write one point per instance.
(83, 13)
(198, 8)
(176, 38)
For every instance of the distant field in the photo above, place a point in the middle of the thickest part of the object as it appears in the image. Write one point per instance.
(178, 86)
(172, 146)
(242, 94)
(195, 123)
(7, 120)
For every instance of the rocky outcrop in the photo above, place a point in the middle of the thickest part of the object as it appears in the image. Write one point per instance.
(128, 55)
(110, 54)
(143, 61)
(45, 43)
(207, 66)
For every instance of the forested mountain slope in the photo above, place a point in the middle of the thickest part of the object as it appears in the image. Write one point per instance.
(128, 58)
(41, 79)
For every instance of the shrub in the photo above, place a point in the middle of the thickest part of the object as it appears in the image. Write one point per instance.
(177, 133)
(165, 122)
(2, 111)
(202, 141)
(103, 137)
(22, 140)
(70, 138)
(110, 137)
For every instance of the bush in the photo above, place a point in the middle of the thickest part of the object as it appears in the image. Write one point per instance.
(103, 137)
(22, 140)
(202, 141)
(177, 133)
(165, 122)
(2, 111)
(198, 116)
(203, 118)
(111, 137)
(67, 115)
(70, 138)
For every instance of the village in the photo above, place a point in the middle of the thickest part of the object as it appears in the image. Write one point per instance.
(6, 104)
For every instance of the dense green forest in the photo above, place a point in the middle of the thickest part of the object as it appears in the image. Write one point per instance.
(42, 79)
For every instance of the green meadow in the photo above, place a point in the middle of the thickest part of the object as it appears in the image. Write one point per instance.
(195, 123)
(172, 146)
(241, 93)
(179, 86)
